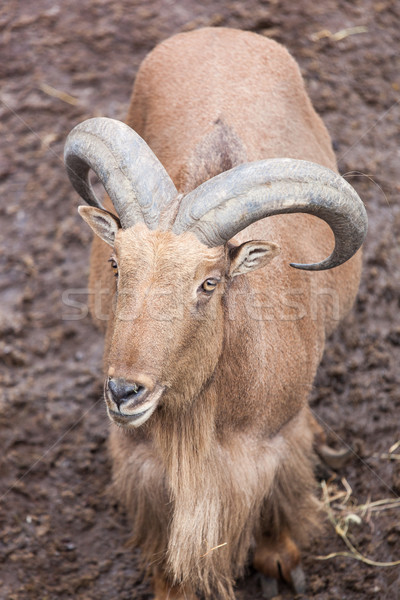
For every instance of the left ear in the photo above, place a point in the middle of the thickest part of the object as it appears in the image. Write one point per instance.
(251, 256)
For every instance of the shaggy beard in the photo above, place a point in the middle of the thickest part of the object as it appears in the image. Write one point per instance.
(198, 504)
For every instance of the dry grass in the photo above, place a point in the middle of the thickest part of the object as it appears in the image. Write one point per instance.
(339, 35)
(344, 512)
(51, 91)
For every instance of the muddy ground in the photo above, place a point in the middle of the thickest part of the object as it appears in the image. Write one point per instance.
(62, 536)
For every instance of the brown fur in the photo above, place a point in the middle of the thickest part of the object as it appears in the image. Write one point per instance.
(225, 461)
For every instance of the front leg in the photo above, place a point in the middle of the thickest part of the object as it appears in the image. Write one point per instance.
(163, 590)
(279, 559)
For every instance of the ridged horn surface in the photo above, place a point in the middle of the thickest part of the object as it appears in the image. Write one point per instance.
(137, 183)
(228, 203)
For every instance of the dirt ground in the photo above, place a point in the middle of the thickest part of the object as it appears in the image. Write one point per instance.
(62, 535)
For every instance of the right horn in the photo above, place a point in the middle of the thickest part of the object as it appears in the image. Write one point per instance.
(137, 183)
(224, 205)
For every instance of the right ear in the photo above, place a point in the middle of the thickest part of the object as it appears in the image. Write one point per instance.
(103, 223)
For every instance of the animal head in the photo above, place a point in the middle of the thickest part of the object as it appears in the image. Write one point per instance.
(173, 257)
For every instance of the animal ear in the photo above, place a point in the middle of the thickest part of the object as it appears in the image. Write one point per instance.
(103, 223)
(251, 256)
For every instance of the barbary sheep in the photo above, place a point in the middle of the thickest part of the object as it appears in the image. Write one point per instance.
(213, 334)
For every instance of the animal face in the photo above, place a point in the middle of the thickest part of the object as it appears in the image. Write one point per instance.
(167, 328)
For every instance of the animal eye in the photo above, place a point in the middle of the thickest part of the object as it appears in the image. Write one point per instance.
(114, 265)
(209, 285)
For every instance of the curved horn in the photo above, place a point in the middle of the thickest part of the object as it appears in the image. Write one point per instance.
(224, 205)
(137, 183)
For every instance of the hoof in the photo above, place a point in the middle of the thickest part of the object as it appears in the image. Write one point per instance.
(298, 580)
(269, 587)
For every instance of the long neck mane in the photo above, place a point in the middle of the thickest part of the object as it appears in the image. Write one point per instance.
(216, 495)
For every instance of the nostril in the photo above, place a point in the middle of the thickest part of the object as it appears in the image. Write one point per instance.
(114, 387)
(133, 390)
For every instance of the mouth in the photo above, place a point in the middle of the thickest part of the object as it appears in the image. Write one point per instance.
(135, 416)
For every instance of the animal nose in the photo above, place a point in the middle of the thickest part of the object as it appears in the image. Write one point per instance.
(122, 391)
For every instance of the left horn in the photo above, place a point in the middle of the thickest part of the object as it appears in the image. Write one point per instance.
(137, 183)
(224, 205)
